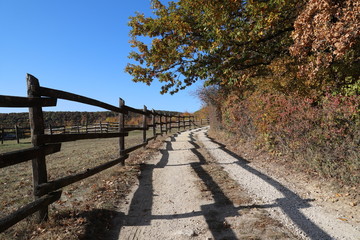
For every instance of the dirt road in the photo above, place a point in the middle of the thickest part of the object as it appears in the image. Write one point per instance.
(196, 189)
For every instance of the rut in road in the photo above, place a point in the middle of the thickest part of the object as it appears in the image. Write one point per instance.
(183, 194)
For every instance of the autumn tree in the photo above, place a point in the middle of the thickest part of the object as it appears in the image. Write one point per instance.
(224, 42)
(283, 73)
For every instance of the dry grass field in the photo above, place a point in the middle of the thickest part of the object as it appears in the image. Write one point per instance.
(76, 214)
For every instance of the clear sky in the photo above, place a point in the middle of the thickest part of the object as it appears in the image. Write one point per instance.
(80, 46)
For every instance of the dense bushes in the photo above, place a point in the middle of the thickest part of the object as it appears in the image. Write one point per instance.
(321, 135)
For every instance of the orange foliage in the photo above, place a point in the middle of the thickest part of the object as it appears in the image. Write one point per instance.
(185, 114)
(325, 30)
(135, 121)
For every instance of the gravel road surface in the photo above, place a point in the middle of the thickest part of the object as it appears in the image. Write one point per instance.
(177, 197)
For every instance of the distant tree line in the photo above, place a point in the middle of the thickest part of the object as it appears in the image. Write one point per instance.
(8, 120)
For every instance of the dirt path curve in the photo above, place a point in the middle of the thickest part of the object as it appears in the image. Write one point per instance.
(178, 197)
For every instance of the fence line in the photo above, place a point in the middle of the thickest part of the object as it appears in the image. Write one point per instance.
(17, 133)
(48, 141)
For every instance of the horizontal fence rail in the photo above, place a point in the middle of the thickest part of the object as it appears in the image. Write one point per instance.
(12, 101)
(47, 140)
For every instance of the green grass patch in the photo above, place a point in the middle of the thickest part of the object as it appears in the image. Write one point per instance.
(12, 145)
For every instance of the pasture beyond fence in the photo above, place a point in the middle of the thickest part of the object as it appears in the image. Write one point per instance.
(48, 141)
(17, 132)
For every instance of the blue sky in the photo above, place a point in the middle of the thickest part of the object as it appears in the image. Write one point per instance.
(80, 46)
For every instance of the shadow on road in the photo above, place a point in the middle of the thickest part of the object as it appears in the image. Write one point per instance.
(140, 210)
(214, 213)
(98, 223)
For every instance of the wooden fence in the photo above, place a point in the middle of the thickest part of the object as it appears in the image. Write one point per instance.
(48, 142)
(18, 133)
(15, 133)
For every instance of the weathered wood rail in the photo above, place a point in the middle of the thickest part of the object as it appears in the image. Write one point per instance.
(49, 141)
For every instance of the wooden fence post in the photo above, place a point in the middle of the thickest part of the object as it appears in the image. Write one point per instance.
(169, 123)
(175, 122)
(17, 133)
(154, 123)
(121, 130)
(174, 118)
(37, 128)
(166, 123)
(144, 125)
(161, 125)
